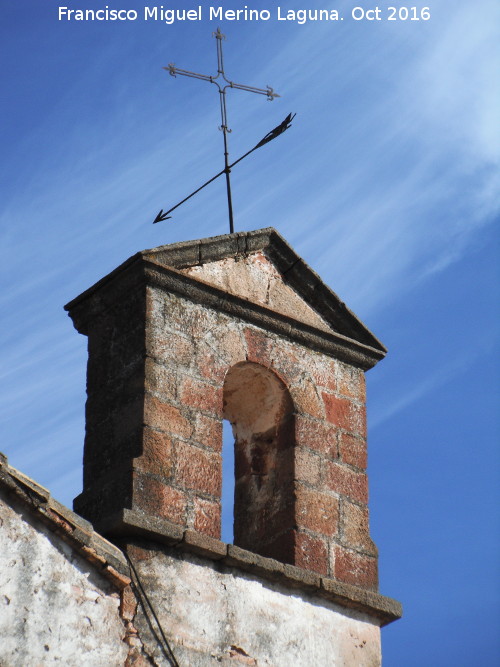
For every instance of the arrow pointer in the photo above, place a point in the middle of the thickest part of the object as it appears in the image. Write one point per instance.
(161, 216)
(282, 127)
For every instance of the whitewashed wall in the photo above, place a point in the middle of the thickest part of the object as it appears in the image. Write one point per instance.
(54, 607)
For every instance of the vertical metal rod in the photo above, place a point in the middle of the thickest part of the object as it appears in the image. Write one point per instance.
(225, 130)
(228, 184)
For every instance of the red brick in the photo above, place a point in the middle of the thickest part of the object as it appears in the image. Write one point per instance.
(209, 364)
(307, 466)
(316, 511)
(318, 435)
(157, 498)
(198, 469)
(356, 569)
(346, 482)
(307, 400)
(208, 432)
(345, 414)
(157, 453)
(323, 372)
(285, 363)
(351, 382)
(356, 531)
(311, 553)
(352, 450)
(207, 517)
(201, 395)
(169, 347)
(165, 417)
(258, 347)
(128, 604)
(160, 379)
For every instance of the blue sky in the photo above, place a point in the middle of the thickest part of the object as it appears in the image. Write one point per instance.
(387, 185)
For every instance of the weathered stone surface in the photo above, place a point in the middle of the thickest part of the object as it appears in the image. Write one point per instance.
(255, 278)
(213, 617)
(55, 604)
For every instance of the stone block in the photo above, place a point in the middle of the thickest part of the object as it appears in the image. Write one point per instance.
(315, 511)
(203, 545)
(159, 499)
(354, 568)
(355, 528)
(200, 395)
(318, 435)
(352, 450)
(157, 454)
(307, 466)
(311, 553)
(207, 517)
(198, 470)
(345, 414)
(346, 482)
(351, 383)
(163, 416)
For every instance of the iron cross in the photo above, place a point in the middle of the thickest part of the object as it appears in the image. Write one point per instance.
(222, 83)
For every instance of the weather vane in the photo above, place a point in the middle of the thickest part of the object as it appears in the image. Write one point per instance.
(222, 84)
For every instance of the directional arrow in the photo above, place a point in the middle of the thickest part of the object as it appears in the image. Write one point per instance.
(282, 127)
(161, 216)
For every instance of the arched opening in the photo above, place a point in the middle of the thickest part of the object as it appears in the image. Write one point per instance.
(260, 409)
(227, 518)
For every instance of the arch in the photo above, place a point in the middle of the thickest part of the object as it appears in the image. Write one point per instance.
(260, 409)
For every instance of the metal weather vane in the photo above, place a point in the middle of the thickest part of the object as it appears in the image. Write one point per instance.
(222, 84)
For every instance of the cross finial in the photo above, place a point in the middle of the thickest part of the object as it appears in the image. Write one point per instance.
(222, 86)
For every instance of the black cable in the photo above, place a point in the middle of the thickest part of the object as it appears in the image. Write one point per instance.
(165, 646)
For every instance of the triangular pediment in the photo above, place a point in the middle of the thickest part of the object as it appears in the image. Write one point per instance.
(262, 268)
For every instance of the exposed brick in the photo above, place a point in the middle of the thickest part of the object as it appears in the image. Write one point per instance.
(356, 531)
(307, 466)
(230, 343)
(160, 379)
(157, 454)
(316, 511)
(208, 364)
(168, 347)
(323, 371)
(352, 450)
(198, 469)
(346, 482)
(158, 499)
(306, 399)
(208, 432)
(207, 517)
(311, 553)
(165, 417)
(345, 414)
(354, 568)
(318, 435)
(128, 604)
(285, 362)
(259, 347)
(351, 382)
(201, 395)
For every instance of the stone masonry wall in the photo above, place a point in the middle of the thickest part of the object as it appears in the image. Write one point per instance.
(189, 349)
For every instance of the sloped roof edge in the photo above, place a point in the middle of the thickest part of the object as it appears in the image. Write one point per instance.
(69, 526)
(296, 273)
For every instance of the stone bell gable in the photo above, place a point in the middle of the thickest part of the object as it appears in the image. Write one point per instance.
(235, 327)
